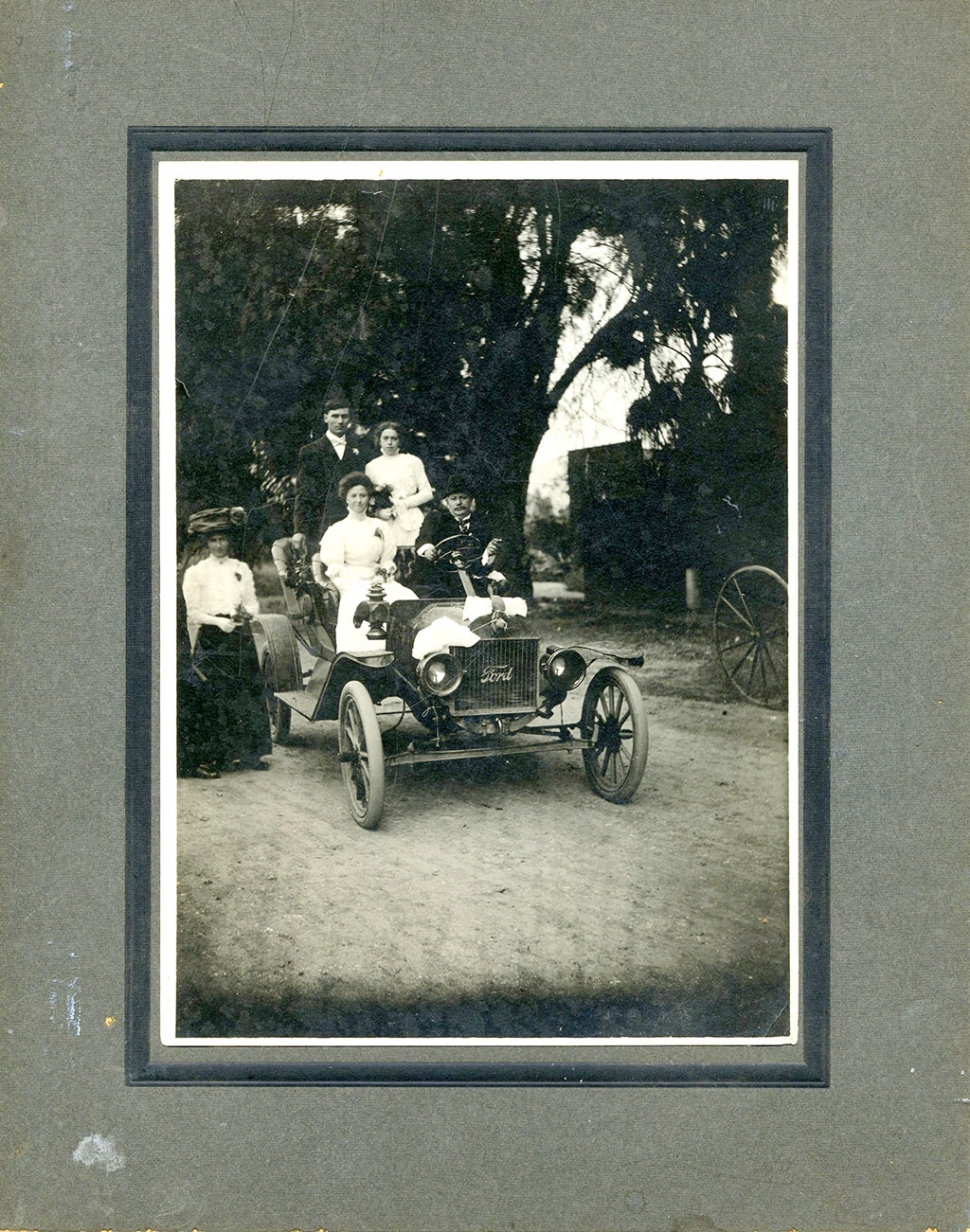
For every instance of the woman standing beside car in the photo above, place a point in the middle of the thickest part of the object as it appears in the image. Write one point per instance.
(230, 723)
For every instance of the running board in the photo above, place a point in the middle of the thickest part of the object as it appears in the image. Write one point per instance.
(411, 757)
(299, 700)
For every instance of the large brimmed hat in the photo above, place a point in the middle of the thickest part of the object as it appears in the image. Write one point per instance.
(214, 521)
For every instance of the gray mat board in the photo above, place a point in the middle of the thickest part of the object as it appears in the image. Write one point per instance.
(885, 1147)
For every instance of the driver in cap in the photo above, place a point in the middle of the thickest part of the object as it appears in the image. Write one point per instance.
(459, 516)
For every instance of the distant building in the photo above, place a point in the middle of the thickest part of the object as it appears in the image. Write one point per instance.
(639, 526)
(609, 516)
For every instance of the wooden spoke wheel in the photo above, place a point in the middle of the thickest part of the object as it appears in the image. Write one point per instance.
(751, 634)
(615, 719)
(361, 755)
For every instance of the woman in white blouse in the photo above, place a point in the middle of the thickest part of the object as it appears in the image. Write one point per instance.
(354, 551)
(404, 475)
(226, 725)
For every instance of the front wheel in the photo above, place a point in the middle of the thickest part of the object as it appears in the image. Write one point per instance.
(615, 720)
(361, 755)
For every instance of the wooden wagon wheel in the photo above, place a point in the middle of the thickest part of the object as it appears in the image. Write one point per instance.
(751, 634)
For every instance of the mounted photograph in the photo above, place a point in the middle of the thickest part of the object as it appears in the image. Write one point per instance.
(479, 537)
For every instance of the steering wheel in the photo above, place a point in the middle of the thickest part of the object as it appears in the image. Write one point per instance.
(457, 552)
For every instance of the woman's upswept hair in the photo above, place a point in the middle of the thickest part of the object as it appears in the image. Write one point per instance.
(356, 479)
(382, 427)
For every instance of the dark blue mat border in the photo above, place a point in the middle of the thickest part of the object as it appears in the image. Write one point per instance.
(816, 145)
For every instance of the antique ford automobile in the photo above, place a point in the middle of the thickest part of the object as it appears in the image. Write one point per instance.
(467, 669)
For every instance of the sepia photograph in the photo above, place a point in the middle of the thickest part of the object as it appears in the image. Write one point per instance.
(478, 528)
(507, 472)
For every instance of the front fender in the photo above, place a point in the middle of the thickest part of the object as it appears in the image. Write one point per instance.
(592, 653)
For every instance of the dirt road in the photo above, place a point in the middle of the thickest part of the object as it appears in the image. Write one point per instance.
(501, 897)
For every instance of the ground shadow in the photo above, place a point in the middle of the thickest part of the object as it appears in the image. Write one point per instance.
(715, 1005)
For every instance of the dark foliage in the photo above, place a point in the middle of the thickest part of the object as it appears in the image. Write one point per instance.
(444, 303)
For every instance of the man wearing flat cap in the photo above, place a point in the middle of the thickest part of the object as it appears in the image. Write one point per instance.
(457, 516)
(322, 465)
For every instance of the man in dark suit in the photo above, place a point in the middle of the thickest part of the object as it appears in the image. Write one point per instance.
(323, 463)
(458, 516)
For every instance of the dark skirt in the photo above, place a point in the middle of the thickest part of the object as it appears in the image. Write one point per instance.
(222, 706)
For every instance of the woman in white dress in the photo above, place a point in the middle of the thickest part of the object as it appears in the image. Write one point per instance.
(356, 550)
(403, 474)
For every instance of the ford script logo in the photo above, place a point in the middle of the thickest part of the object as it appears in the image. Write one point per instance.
(498, 671)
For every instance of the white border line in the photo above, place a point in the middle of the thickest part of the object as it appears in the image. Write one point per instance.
(651, 166)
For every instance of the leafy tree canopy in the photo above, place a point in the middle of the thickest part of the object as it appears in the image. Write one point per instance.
(466, 309)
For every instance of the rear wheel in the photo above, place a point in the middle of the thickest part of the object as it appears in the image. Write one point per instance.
(751, 634)
(282, 672)
(279, 712)
(361, 755)
(615, 720)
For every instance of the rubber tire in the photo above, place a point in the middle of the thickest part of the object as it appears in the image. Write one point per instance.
(282, 671)
(359, 732)
(623, 690)
(283, 649)
(279, 712)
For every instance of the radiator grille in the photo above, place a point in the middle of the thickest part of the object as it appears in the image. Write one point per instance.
(501, 677)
